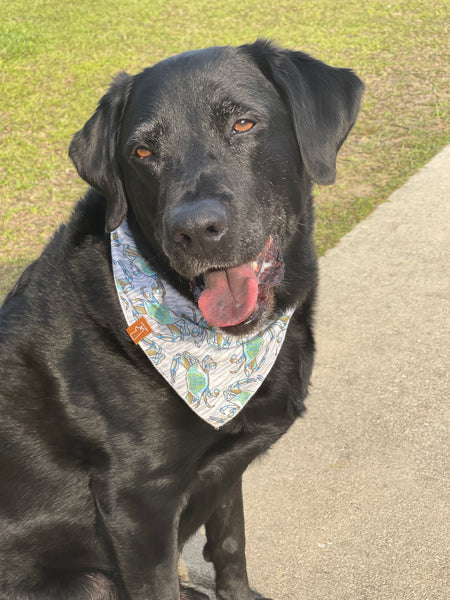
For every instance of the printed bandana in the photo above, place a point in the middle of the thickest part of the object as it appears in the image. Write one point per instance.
(215, 374)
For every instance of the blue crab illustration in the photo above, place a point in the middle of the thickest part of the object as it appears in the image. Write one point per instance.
(176, 327)
(282, 323)
(249, 357)
(155, 353)
(125, 283)
(115, 240)
(202, 332)
(229, 411)
(197, 377)
(237, 398)
(234, 393)
(141, 266)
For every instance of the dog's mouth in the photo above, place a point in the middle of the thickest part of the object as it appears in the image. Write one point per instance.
(239, 295)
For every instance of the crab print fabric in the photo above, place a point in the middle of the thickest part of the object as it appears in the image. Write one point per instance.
(215, 374)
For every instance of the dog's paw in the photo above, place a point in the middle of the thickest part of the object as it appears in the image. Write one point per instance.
(190, 593)
(257, 596)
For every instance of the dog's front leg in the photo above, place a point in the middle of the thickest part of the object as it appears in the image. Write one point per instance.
(142, 529)
(225, 532)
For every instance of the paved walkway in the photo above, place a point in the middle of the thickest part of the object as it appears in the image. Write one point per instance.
(354, 502)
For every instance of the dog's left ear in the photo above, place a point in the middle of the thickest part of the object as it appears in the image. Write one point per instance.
(94, 150)
(323, 102)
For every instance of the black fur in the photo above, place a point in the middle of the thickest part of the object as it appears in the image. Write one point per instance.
(105, 472)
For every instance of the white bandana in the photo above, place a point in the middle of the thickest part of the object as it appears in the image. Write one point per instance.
(215, 374)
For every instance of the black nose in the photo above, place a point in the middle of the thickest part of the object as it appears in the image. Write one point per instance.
(198, 226)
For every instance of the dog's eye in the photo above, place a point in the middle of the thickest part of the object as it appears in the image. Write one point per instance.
(243, 125)
(142, 152)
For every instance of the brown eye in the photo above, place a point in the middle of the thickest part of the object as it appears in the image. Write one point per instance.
(143, 152)
(242, 126)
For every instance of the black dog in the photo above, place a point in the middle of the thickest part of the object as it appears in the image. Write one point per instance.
(105, 471)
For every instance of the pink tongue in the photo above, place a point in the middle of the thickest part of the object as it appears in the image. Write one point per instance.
(230, 296)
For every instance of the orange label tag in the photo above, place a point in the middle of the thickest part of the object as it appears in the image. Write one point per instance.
(139, 330)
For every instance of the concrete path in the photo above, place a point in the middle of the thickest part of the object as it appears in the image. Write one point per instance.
(354, 502)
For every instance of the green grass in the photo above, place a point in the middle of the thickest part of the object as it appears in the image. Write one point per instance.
(57, 59)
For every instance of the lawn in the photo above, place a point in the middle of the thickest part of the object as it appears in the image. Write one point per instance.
(57, 59)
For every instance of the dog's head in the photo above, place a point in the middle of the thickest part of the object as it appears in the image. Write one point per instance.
(211, 153)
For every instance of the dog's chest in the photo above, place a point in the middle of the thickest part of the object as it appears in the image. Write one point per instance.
(215, 374)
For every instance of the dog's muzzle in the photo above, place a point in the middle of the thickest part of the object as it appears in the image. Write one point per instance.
(232, 296)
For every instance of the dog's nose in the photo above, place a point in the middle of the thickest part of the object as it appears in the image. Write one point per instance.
(198, 226)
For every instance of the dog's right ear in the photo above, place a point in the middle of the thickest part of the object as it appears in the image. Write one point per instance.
(94, 150)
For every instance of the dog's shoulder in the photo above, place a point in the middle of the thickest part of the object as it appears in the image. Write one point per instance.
(52, 284)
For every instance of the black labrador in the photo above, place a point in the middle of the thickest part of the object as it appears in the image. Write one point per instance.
(105, 471)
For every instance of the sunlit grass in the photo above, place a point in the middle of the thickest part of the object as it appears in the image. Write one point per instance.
(57, 58)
